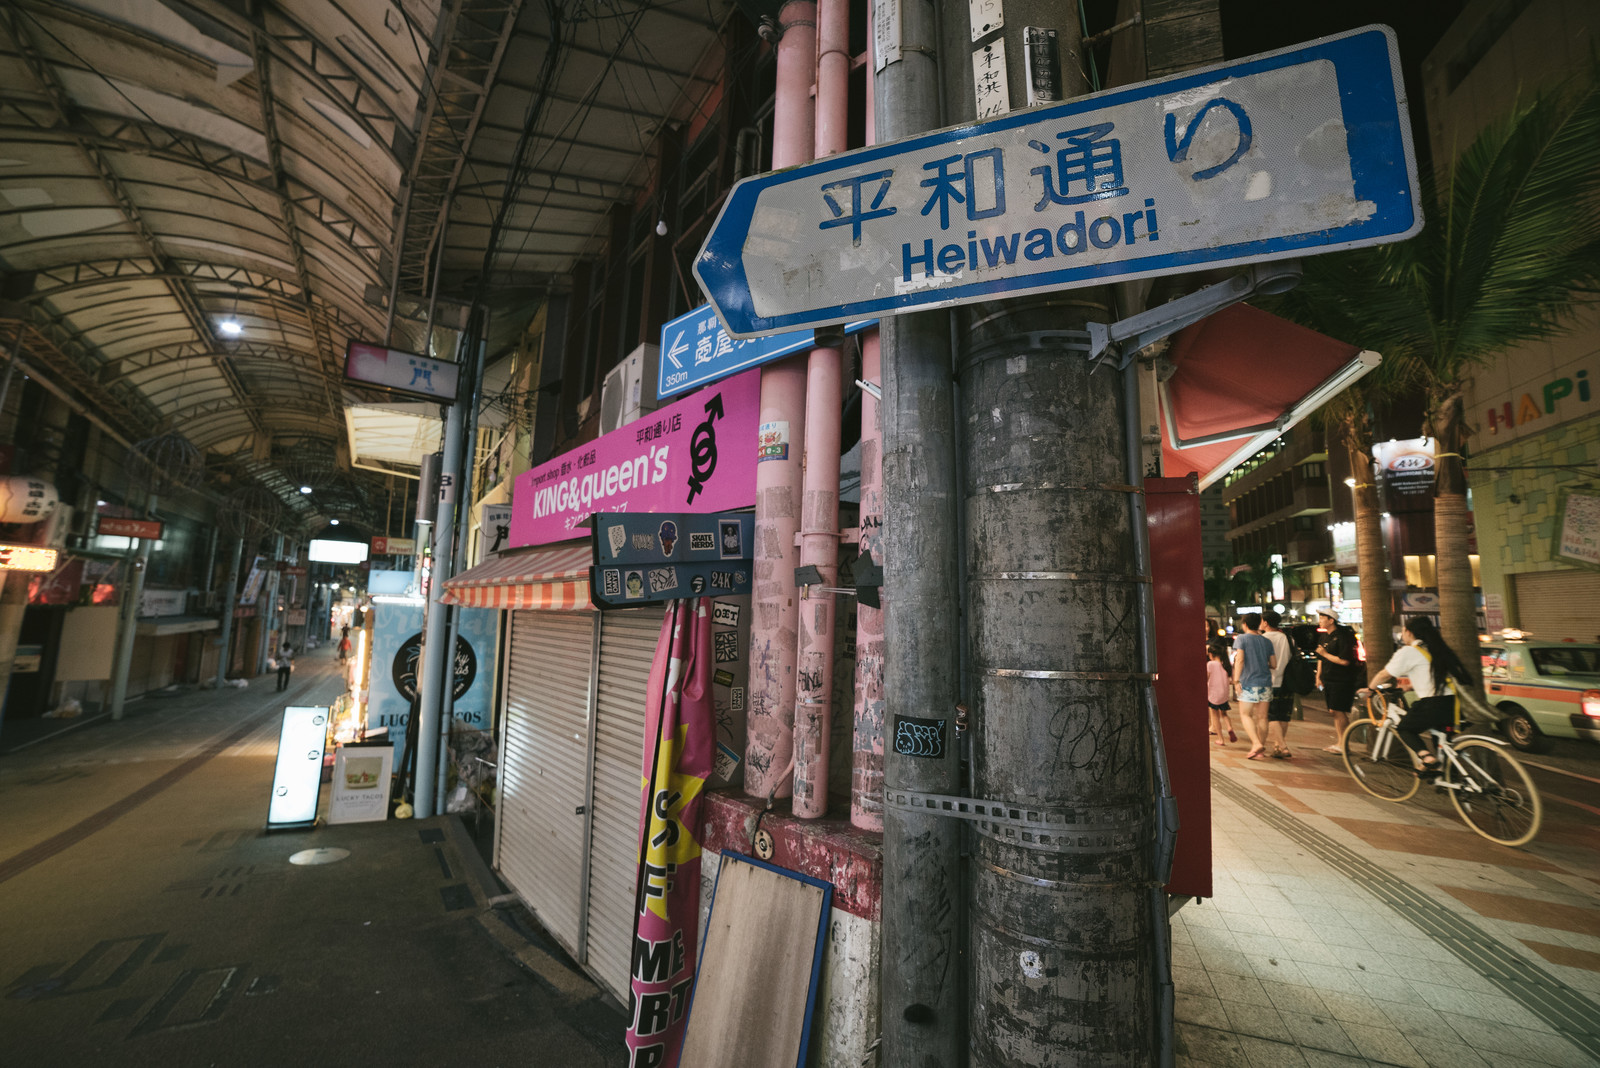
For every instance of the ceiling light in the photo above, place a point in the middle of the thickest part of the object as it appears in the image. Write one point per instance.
(230, 327)
(305, 489)
(333, 522)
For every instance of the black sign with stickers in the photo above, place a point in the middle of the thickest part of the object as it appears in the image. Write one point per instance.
(646, 557)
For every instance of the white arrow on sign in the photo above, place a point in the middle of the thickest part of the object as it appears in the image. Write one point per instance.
(678, 346)
(1281, 155)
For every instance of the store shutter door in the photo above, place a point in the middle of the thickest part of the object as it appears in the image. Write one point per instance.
(544, 764)
(1557, 605)
(627, 645)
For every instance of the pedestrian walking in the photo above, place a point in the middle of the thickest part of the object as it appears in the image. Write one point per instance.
(1252, 677)
(1338, 672)
(1280, 709)
(344, 645)
(285, 666)
(1218, 688)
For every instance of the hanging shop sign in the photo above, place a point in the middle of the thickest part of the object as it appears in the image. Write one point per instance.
(1407, 468)
(297, 778)
(254, 581)
(642, 557)
(27, 558)
(158, 602)
(401, 372)
(697, 454)
(394, 546)
(149, 529)
(1577, 533)
(696, 349)
(494, 529)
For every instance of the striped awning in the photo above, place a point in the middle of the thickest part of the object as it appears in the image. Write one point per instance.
(550, 577)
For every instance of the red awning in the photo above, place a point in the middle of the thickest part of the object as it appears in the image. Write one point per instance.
(1242, 378)
(551, 577)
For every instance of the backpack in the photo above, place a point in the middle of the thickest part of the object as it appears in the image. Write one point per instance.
(1299, 677)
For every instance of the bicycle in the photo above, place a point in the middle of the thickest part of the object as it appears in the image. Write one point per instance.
(1490, 789)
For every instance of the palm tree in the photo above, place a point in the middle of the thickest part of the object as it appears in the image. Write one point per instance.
(1511, 244)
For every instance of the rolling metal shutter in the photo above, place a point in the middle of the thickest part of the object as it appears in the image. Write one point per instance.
(544, 764)
(1557, 605)
(627, 645)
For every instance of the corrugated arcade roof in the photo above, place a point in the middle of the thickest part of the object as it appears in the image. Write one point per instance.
(202, 202)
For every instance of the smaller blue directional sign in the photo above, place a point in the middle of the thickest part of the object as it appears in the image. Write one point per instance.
(695, 349)
(1280, 155)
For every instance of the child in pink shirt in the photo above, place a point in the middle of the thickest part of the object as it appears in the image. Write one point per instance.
(1218, 688)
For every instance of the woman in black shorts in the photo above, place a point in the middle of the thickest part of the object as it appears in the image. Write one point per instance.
(1338, 672)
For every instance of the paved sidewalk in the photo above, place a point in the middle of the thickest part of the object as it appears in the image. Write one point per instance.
(1348, 931)
(146, 919)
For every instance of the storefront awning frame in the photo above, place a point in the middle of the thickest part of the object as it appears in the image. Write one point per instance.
(551, 578)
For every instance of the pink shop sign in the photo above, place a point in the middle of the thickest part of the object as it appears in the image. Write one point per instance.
(696, 455)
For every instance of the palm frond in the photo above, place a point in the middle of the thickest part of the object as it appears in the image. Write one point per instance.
(1520, 240)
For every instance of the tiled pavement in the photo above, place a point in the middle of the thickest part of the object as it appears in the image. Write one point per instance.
(1347, 931)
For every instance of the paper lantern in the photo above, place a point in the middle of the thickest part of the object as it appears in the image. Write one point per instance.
(26, 500)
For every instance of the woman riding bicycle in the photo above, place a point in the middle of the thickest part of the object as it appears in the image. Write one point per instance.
(1434, 671)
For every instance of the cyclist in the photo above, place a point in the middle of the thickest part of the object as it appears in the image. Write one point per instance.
(1434, 671)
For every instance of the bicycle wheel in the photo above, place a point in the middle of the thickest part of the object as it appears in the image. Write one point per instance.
(1496, 797)
(1378, 760)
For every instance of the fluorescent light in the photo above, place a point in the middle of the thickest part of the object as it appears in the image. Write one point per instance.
(230, 327)
(337, 552)
(305, 489)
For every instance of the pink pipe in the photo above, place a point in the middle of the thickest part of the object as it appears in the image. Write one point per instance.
(819, 501)
(866, 767)
(769, 733)
(866, 764)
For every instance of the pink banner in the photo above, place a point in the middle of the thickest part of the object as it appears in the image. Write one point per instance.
(696, 455)
(668, 918)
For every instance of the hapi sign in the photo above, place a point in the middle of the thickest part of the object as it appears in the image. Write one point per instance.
(1280, 155)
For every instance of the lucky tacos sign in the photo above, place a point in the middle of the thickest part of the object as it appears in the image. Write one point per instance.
(697, 455)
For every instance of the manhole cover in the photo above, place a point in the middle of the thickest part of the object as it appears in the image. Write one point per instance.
(325, 855)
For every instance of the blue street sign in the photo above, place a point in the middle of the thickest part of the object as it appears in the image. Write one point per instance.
(1281, 155)
(695, 349)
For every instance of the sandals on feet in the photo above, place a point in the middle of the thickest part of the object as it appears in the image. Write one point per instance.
(1256, 754)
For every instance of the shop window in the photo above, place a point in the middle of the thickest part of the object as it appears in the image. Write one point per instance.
(1422, 571)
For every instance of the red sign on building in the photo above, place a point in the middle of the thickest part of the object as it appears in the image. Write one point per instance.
(131, 528)
(394, 546)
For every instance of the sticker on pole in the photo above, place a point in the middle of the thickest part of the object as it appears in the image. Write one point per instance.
(1281, 155)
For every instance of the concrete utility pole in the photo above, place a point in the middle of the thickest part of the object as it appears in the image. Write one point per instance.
(128, 618)
(1062, 940)
(230, 594)
(924, 960)
(437, 672)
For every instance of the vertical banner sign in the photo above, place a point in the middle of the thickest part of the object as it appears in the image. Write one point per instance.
(476, 647)
(679, 731)
(388, 704)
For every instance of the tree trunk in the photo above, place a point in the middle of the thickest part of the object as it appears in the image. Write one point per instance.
(1458, 602)
(1377, 614)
